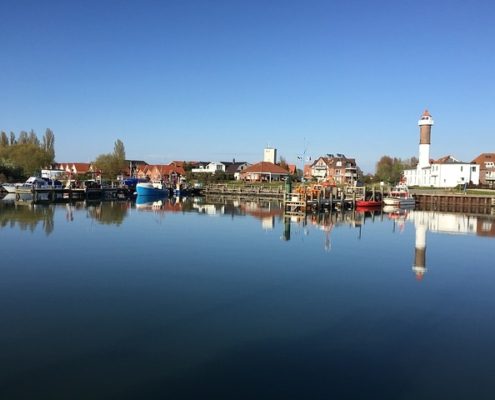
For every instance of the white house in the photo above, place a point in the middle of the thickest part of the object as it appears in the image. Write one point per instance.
(209, 168)
(229, 167)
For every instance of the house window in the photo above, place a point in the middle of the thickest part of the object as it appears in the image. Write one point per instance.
(462, 168)
(339, 163)
(473, 169)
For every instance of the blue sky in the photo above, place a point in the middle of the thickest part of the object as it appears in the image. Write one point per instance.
(216, 80)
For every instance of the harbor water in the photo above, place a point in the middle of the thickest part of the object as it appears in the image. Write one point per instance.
(228, 299)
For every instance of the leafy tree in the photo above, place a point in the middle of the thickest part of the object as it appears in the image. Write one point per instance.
(32, 138)
(4, 139)
(389, 169)
(26, 154)
(22, 138)
(49, 143)
(112, 164)
(119, 150)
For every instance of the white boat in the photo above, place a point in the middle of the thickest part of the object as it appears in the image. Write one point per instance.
(10, 187)
(35, 182)
(399, 196)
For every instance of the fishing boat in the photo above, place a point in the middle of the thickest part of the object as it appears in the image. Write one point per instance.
(151, 189)
(368, 203)
(399, 196)
(370, 200)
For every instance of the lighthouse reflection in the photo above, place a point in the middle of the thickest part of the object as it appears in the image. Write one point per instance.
(447, 224)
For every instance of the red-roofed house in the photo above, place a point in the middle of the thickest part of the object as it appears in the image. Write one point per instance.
(264, 171)
(162, 172)
(486, 161)
(76, 168)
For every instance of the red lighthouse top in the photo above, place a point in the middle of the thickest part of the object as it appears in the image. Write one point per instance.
(426, 114)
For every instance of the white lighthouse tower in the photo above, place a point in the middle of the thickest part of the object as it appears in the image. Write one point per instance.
(425, 124)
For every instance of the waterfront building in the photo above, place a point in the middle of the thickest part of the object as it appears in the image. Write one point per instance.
(444, 172)
(264, 171)
(75, 168)
(161, 172)
(337, 168)
(229, 167)
(486, 162)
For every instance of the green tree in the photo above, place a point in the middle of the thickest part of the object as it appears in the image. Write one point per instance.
(389, 169)
(25, 154)
(49, 143)
(119, 151)
(32, 138)
(29, 157)
(4, 139)
(112, 164)
(22, 138)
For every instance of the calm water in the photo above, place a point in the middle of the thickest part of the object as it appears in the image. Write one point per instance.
(195, 300)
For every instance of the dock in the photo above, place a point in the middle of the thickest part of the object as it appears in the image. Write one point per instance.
(273, 192)
(64, 195)
(319, 198)
(455, 202)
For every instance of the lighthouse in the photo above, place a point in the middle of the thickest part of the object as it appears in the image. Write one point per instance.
(425, 123)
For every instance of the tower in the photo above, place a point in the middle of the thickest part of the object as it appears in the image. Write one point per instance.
(270, 155)
(425, 123)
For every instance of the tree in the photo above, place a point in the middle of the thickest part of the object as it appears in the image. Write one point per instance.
(112, 164)
(4, 139)
(283, 163)
(22, 138)
(389, 169)
(26, 154)
(49, 143)
(32, 138)
(119, 150)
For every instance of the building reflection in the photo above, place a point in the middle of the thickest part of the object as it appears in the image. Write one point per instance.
(438, 222)
(269, 213)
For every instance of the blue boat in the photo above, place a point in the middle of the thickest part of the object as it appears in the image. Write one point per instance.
(150, 189)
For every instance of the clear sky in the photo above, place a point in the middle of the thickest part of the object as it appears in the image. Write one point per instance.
(216, 80)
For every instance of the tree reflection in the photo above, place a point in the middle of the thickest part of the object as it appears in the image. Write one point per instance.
(27, 216)
(108, 213)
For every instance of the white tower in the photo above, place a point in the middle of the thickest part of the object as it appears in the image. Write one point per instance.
(425, 124)
(270, 155)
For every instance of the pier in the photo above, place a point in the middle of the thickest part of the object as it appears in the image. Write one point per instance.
(455, 202)
(318, 198)
(269, 191)
(61, 195)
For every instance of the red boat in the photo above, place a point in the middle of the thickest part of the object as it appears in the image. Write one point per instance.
(368, 203)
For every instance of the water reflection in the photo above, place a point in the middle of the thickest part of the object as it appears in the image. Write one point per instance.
(438, 223)
(26, 216)
(270, 213)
